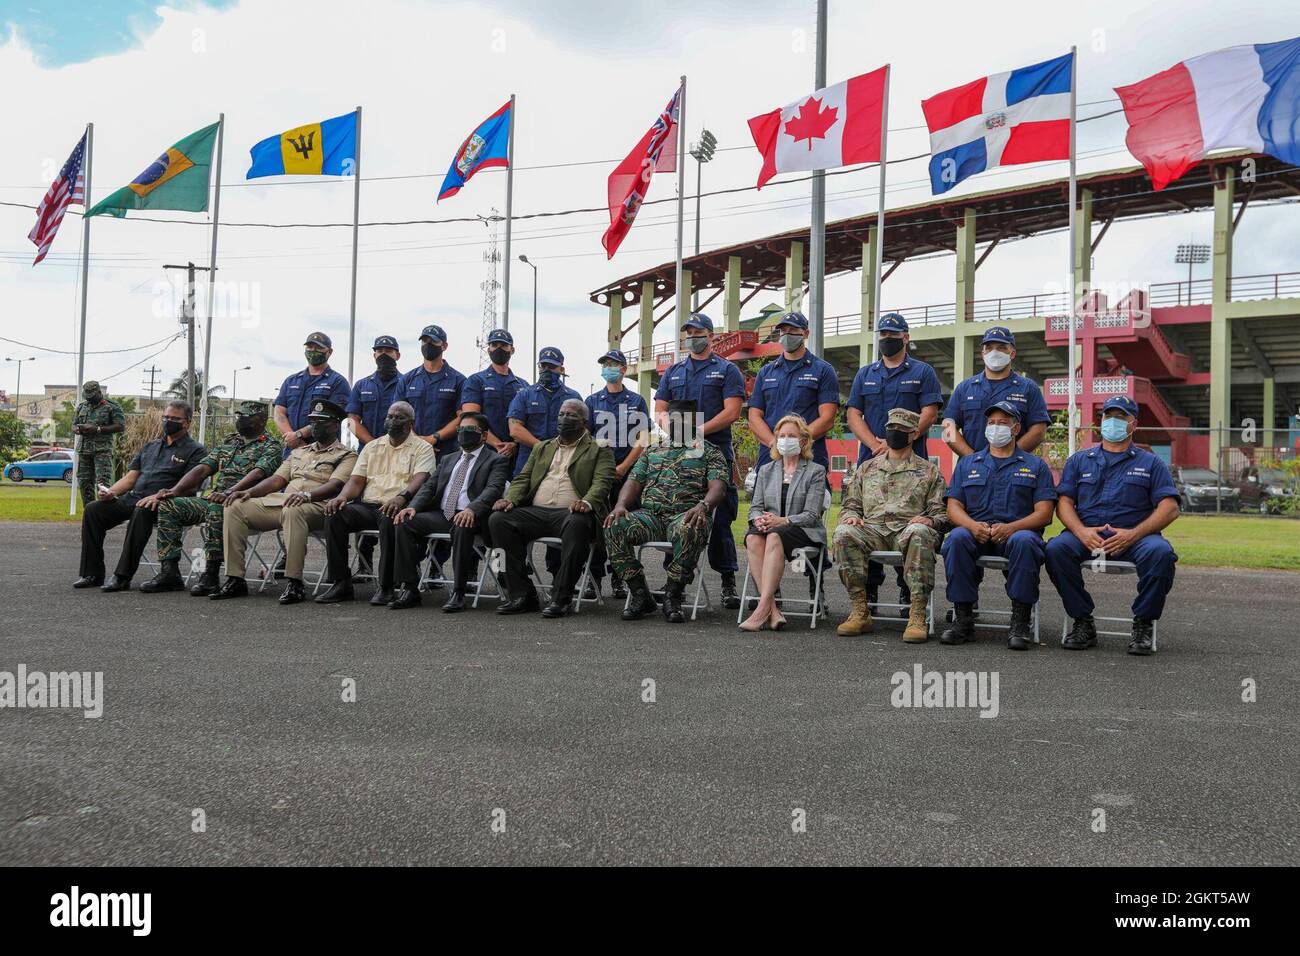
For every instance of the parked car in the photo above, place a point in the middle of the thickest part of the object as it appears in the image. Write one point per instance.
(46, 466)
(1199, 489)
(1266, 490)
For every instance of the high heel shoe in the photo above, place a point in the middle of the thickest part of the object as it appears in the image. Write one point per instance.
(776, 623)
(751, 628)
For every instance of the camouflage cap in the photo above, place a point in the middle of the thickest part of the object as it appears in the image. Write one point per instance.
(249, 407)
(89, 387)
(904, 418)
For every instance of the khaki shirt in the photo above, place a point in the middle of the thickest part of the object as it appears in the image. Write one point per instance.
(556, 490)
(388, 468)
(309, 467)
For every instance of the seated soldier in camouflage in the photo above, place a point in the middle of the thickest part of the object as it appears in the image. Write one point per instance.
(678, 486)
(239, 462)
(894, 502)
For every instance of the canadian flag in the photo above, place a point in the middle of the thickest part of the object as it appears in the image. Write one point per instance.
(837, 126)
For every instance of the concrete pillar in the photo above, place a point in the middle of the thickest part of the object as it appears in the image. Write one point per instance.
(1220, 412)
(867, 335)
(614, 334)
(645, 366)
(731, 295)
(794, 278)
(963, 342)
(1269, 439)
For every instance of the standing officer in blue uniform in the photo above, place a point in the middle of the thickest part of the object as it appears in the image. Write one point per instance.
(301, 390)
(1000, 500)
(895, 380)
(372, 395)
(718, 389)
(1114, 502)
(797, 382)
(620, 420)
(533, 411)
(491, 392)
(963, 423)
(433, 389)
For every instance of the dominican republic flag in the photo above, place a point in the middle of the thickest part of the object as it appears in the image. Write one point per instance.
(1244, 97)
(1018, 117)
(837, 126)
(630, 181)
(487, 146)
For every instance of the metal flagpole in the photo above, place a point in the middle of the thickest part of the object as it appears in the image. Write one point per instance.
(1072, 295)
(356, 228)
(683, 307)
(880, 217)
(510, 195)
(85, 275)
(212, 282)
(817, 243)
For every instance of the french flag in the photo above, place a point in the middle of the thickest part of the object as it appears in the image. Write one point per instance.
(1244, 97)
(1018, 117)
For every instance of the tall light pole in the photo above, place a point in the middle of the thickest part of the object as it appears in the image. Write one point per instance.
(525, 260)
(234, 386)
(702, 152)
(18, 388)
(1192, 253)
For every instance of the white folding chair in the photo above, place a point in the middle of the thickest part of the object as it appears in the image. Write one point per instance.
(354, 563)
(994, 563)
(894, 559)
(314, 577)
(1103, 565)
(701, 597)
(580, 597)
(814, 556)
(478, 587)
(153, 563)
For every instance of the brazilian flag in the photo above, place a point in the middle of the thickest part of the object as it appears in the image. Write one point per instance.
(178, 179)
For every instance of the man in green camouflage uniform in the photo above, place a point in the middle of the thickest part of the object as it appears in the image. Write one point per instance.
(239, 462)
(894, 502)
(95, 421)
(678, 487)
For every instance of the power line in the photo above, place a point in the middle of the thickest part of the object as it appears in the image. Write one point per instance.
(42, 348)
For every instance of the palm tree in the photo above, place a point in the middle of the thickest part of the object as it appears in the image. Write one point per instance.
(180, 387)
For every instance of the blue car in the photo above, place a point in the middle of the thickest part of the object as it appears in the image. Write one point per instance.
(47, 466)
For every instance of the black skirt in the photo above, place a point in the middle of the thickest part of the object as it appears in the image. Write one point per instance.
(792, 537)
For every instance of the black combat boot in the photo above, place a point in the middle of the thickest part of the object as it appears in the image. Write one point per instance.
(905, 599)
(642, 601)
(168, 578)
(617, 588)
(673, 602)
(1083, 635)
(730, 599)
(1143, 641)
(233, 588)
(1021, 635)
(338, 592)
(209, 582)
(295, 592)
(963, 626)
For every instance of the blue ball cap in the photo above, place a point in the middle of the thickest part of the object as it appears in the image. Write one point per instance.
(550, 356)
(1007, 407)
(433, 332)
(892, 322)
(999, 333)
(796, 319)
(698, 320)
(613, 355)
(501, 336)
(385, 342)
(1123, 403)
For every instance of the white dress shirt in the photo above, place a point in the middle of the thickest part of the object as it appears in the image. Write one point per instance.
(463, 501)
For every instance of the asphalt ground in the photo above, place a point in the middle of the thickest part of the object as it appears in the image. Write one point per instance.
(480, 739)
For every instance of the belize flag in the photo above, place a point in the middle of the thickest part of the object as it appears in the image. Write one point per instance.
(1018, 117)
(1244, 97)
(487, 146)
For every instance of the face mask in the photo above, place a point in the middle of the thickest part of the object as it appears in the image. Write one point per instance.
(94, 397)
(787, 446)
(325, 433)
(549, 378)
(996, 361)
(611, 373)
(1114, 429)
(891, 347)
(469, 438)
(387, 366)
(314, 357)
(248, 426)
(999, 436)
(430, 351)
(897, 439)
(698, 344)
(499, 356)
(569, 425)
(792, 343)
(396, 427)
(173, 428)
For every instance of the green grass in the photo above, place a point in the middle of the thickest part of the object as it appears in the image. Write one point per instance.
(28, 501)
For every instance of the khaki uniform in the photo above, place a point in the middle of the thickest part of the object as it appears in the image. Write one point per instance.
(306, 469)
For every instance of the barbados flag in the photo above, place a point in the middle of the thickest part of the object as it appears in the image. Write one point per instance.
(327, 148)
(488, 145)
(178, 179)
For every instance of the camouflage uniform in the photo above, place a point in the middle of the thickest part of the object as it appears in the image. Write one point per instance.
(673, 480)
(95, 452)
(231, 461)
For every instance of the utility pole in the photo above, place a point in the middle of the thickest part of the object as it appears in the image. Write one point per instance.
(152, 371)
(702, 152)
(188, 320)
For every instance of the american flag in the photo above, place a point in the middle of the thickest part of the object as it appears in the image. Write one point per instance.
(69, 187)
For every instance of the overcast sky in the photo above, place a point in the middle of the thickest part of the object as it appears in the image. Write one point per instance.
(590, 77)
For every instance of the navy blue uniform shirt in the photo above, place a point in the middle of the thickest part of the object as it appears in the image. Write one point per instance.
(435, 396)
(878, 389)
(617, 418)
(971, 397)
(799, 387)
(709, 382)
(301, 389)
(371, 398)
(1119, 488)
(493, 392)
(1001, 490)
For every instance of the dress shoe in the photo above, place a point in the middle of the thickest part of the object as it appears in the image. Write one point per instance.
(556, 609)
(337, 593)
(382, 598)
(233, 588)
(455, 602)
(521, 605)
(168, 578)
(730, 599)
(116, 583)
(209, 582)
(295, 592)
(404, 598)
(89, 581)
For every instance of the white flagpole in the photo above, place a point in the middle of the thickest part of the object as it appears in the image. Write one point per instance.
(510, 195)
(880, 216)
(683, 306)
(817, 230)
(212, 282)
(1072, 297)
(85, 275)
(356, 229)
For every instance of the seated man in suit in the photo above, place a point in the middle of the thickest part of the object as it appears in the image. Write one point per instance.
(388, 473)
(457, 501)
(670, 495)
(563, 492)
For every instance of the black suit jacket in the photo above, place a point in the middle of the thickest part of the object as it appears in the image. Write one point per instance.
(485, 484)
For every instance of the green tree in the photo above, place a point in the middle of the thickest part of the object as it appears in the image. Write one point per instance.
(179, 388)
(13, 438)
